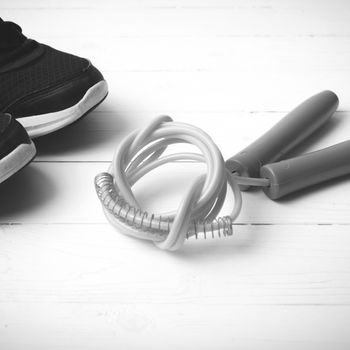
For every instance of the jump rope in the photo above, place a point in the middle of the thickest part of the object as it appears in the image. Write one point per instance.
(258, 165)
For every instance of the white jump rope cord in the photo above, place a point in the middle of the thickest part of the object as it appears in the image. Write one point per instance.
(138, 154)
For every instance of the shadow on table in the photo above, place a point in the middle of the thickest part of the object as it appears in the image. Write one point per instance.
(244, 241)
(24, 192)
(85, 134)
(224, 248)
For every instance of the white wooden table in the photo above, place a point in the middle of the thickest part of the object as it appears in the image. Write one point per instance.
(68, 280)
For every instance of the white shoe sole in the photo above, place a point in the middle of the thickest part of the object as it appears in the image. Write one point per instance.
(16, 160)
(39, 125)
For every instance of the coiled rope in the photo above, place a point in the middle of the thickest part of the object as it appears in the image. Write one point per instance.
(141, 152)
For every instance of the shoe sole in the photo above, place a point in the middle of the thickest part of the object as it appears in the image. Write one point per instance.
(43, 124)
(16, 160)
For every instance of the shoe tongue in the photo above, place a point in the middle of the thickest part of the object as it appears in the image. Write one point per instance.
(11, 36)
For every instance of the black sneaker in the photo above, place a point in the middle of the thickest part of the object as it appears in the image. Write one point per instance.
(16, 148)
(45, 89)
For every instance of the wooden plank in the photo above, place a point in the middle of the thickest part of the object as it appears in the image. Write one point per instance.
(264, 19)
(64, 193)
(191, 326)
(88, 286)
(81, 284)
(225, 54)
(91, 264)
(214, 74)
(95, 138)
(164, 92)
(239, 5)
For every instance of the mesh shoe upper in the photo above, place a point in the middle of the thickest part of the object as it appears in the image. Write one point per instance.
(34, 73)
(52, 68)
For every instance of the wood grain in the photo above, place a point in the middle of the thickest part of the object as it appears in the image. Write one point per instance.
(68, 280)
(81, 286)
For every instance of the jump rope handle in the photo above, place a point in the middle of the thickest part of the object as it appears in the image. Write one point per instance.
(294, 128)
(291, 175)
